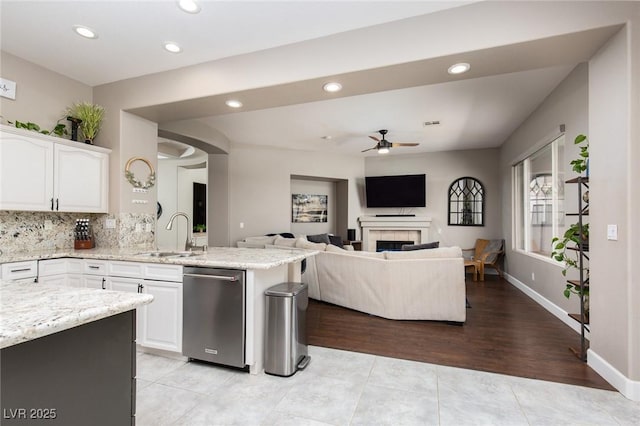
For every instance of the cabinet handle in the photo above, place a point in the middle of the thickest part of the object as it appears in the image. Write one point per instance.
(93, 267)
(103, 281)
(140, 287)
(52, 204)
(21, 270)
(57, 204)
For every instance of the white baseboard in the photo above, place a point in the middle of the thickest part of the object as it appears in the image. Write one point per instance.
(556, 310)
(627, 387)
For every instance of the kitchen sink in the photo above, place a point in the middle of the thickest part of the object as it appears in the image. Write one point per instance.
(171, 253)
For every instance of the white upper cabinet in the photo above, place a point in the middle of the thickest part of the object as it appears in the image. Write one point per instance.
(81, 179)
(44, 173)
(26, 173)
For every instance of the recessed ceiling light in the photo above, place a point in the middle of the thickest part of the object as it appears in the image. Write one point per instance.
(189, 6)
(172, 47)
(332, 87)
(233, 103)
(85, 32)
(460, 68)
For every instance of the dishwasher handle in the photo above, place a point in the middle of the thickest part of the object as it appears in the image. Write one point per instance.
(213, 277)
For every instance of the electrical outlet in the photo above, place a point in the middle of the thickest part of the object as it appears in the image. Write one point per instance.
(48, 225)
(533, 276)
(612, 232)
(148, 227)
(241, 225)
(138, 227)
(110, 224)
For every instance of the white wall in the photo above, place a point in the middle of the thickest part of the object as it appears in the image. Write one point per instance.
(175, 194)
(614, 90)
(441, 169)
(41, 95)
(261, 186)
(316, 187)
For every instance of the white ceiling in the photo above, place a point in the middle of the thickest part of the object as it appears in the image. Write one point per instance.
(131, 33)
(478, 110)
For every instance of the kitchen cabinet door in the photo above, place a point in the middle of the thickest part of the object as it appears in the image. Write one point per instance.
(94, 281)
(59, 280)
(80, 180)
(130, 285)
(26, 173)
(162, 320)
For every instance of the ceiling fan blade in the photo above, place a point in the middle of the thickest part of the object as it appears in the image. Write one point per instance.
(395, 144)
(375, 147)
(374, 138)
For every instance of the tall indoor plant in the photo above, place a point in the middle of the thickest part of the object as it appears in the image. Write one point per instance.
(90, 117)
(577, 234)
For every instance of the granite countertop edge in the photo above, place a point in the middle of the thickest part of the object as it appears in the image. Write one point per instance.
(31, 311)
(217, 257)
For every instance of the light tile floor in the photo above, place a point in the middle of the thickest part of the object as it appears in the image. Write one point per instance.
(348, 388)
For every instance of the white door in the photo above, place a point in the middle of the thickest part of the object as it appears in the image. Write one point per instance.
(162, 322)
(26, 173)
(59, 280)
(81, 180)
(94, 281)
(130, 285)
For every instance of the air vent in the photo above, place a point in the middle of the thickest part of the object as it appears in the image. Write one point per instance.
(431, 123)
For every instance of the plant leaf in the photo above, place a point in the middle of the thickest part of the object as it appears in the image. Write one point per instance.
(579, 139)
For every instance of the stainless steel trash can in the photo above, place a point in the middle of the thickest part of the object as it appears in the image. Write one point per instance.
(286, 337)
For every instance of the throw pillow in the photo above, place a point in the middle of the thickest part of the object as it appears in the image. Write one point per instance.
(336, 240)
(407, 247)
(284, 242)
(319, 238)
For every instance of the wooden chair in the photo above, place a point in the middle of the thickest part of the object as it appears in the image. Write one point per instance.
(486, 253)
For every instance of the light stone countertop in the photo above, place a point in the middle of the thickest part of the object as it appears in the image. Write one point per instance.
(29, 311)
(216, 257)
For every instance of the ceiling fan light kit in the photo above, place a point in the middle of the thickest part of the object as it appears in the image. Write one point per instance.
(383, 145)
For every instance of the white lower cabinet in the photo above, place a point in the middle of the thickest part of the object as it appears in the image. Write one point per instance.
(161, 325)
(61, 272)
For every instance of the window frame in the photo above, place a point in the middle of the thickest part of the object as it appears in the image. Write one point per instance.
(522, 202)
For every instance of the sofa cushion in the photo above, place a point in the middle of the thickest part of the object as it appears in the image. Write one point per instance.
(308, 245)
(334, 249)
(409, 247)
(285, 242)
(244, 244)
(436, 253)
(263, 239)
(319, 238)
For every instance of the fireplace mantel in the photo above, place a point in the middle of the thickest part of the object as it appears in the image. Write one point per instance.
(393, 228)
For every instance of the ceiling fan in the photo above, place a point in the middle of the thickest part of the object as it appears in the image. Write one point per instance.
(384, 145)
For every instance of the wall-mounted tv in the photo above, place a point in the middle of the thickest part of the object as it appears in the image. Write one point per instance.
(396, 191)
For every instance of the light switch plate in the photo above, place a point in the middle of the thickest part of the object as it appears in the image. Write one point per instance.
(612, 232)
(110, 224)
(48, 225)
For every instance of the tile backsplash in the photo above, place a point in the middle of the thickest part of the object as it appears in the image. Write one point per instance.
(23, 231)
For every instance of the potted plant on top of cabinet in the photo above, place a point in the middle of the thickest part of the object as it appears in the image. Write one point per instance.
(90, 116)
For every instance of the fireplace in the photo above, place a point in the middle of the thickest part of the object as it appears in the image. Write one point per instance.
(402, 229)
(391, 245)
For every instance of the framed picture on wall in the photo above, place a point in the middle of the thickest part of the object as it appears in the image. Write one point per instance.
(308, 208)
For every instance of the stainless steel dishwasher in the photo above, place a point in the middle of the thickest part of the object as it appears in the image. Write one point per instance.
(214, 315)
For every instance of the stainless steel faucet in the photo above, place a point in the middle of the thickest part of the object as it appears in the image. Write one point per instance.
(189, 244)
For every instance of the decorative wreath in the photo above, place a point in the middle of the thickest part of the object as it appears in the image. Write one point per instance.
(151, 179)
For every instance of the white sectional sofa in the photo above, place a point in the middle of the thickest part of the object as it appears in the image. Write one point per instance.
(402, 285)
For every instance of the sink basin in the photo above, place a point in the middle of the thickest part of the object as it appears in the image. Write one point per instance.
(170, 253)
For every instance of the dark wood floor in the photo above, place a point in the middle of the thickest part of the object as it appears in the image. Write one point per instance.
(506, 332)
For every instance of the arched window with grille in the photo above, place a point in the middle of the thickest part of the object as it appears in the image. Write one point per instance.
(466, 202)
